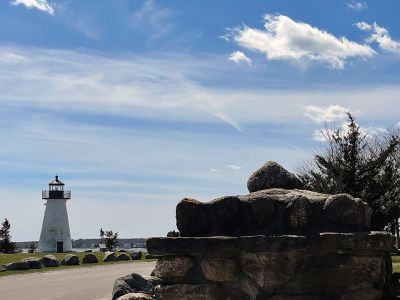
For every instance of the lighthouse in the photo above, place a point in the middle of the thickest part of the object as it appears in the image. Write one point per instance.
(55, 235)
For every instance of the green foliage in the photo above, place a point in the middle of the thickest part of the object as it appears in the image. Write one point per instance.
(32, 248)
(367, 167)
(109, 238)
(6, 245)
(102, 233)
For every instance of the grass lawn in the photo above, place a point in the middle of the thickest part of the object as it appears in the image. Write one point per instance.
(396, 263)
(7, 258)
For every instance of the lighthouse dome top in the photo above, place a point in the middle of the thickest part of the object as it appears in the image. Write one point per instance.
(56, 181)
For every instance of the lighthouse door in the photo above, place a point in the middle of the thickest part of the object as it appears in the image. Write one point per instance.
(60, 247)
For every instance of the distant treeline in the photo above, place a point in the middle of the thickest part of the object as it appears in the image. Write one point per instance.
(79, 243)
(25, 245)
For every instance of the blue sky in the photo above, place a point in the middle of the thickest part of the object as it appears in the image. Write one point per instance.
(139, 103)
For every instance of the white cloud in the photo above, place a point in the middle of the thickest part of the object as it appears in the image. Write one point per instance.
(239, 57)
(363, 26)
(381, 36)
(357, 5)
(234, 167)
(286, 39)
(41, 5)
(330, 113)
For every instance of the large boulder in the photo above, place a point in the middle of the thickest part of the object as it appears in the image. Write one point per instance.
(50, 261)
(272, 211)
(344, 210)
(109, 256)
(90, 259)
(272, 175)
(123, 257)
(136, 255)
(34, 262)
(21, 265)
(70, 260)
(134, 283)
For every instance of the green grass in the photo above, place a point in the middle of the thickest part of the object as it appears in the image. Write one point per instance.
(396, 263)
(8, 258)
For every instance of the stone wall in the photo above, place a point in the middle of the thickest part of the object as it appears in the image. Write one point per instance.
(278, 242)
(323, 266)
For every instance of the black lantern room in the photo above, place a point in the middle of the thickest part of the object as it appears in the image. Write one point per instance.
(56, 190)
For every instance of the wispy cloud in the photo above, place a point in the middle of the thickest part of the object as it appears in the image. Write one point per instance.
(286, 39)
(381, 36)
(152, 17)
(239, 58)
(127, 86)
(357, 5)
(325, 114)
(42, 5)
(234, 167)
(168, 87)
(214, 170)
(322, 135)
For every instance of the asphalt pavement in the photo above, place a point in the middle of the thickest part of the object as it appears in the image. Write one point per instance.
(90, 283)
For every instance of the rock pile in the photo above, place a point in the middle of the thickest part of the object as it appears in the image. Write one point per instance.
(277, 242)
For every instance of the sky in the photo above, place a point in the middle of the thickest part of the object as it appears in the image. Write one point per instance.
(137, 104)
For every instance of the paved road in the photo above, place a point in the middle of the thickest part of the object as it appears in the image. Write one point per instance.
(92, 283)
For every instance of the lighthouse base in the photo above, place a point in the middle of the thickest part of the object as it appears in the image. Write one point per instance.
(55, 235)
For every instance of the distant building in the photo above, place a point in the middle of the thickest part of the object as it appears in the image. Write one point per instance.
(102, 247)
(55, 235)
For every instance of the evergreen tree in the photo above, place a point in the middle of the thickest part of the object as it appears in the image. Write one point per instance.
(6, 245)
(363, 166)
(102, 236)
(110, 240)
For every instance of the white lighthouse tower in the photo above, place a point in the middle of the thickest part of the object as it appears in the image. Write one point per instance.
(55, 235)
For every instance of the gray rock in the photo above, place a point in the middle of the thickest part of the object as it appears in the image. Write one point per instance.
(123, 257)
(272, 211)
(136, 296)
(272, 175)
(70, 260)
(2, 269)
(298, 214)
(346, 211)
(109, 256)
(220, 269)
(360, 242)
(21, 265)
(50, 261)
(173, 269)
(90, 259)
(136, 255)
(134, 283)
(34, 262)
